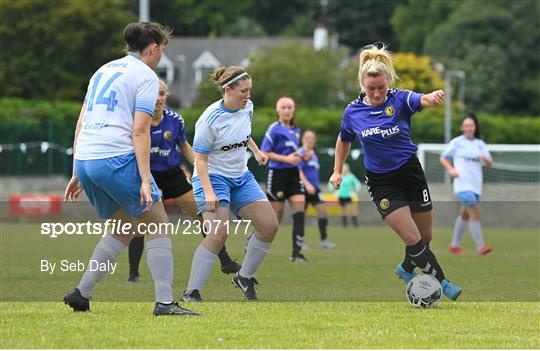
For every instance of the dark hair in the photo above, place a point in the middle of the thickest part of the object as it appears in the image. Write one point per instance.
(472, 115)
(139, 35)
(223, 75)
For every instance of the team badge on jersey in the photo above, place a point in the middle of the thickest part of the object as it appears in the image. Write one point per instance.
(389, 110)
(384, 204)
(167, 135)
(280, 195)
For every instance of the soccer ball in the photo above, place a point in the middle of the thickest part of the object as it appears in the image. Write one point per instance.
(424, 291)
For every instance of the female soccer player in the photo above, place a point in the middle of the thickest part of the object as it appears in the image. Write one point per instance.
(467, 152)
(309, 174)
(112, 163)
(222, 182)
(167, 132)
(281, 143)
(349, 185)
(381, 118)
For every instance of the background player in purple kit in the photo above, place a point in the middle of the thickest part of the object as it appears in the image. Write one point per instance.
(381, 119)
(167, 132)
(281, 143)
(309, 174)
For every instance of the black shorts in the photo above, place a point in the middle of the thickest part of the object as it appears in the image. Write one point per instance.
(406, 186)
(173, 183)
(283, 183)
(344, 200)
(314, 199)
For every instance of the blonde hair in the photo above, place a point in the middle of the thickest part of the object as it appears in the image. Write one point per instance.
(222, 75)
(375, 61)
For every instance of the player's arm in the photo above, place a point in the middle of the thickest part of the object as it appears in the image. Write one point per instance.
(432, 99)
(486, 155)
(260, 156)
(292, 158)
(201, 165)
(187, 151)
(342, 151)
(448, 165)
(74, 188)
(309, 187)
(141, 142)
(488, 162)
(268, 145)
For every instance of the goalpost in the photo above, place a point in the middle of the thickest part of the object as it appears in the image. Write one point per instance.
(511, 191)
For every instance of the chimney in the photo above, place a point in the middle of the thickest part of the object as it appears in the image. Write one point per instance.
(320, 37)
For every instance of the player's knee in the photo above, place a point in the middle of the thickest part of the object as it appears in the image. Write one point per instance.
(268, 230)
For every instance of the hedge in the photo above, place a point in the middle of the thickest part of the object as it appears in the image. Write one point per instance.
(54, 121)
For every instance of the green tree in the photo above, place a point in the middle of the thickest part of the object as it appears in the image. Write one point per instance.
(50, 48)
(416, 73)
(414, 20)
(199, 17)
(496, 44)
(359, 23)
(310, 77)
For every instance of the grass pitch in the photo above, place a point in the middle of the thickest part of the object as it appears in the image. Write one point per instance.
(342, 298)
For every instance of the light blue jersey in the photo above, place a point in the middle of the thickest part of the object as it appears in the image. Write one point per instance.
(466, 156)
(105, 161)
(224, 135)
(116, 91)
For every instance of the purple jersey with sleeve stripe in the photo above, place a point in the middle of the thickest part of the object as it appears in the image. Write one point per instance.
(166, 136)
(311, 169)
(283, 141)
(384, 131)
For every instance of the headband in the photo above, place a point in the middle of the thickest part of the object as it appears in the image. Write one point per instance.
(234, 79)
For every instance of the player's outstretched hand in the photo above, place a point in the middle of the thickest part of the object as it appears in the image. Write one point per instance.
(432, 99)
(335, 180)
(146, 196)
(73, 189)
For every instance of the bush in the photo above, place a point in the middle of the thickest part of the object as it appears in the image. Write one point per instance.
(54, 121)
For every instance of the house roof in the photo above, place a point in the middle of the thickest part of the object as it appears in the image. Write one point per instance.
(228, 51)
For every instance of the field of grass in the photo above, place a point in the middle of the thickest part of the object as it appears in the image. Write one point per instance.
(342, 298)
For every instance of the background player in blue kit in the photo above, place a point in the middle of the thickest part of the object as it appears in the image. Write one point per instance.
(281, 143)
(468, 152)
(112, 162)
(381, 119)
(309, 174)
(222, 183)
(167, 132)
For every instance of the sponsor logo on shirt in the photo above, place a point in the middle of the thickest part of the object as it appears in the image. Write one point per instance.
(96, 125)
(236, 145)
(160, 152)
(472, 159)
(389, 110)
(385, 133)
